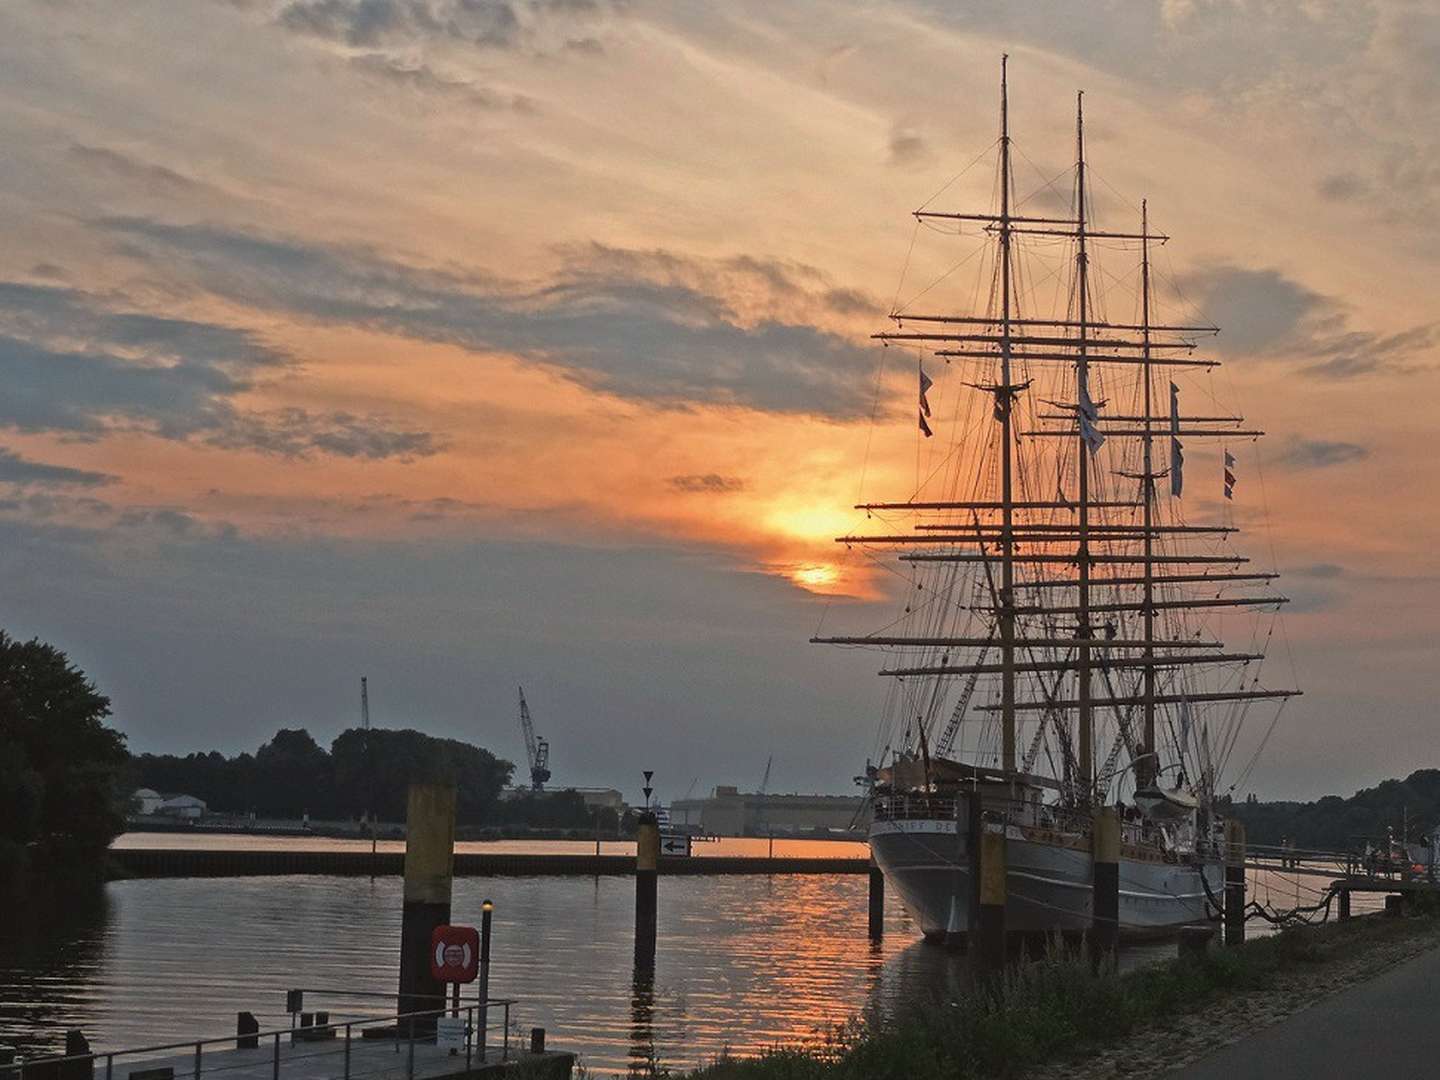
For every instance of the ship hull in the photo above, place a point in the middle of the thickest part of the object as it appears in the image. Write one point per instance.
(1048, 883)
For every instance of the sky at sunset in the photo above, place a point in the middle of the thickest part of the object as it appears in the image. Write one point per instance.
(468, 343)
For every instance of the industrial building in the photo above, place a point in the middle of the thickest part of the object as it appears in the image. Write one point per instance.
(731, 812)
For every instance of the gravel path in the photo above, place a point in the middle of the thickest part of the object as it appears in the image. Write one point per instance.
(1167, 1046)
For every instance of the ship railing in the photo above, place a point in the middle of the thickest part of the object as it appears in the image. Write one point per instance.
(413, 1045)
(909, 807)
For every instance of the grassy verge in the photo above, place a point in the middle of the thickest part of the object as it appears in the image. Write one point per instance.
(1055, 1008)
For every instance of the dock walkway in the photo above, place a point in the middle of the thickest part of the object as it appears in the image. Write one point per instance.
(1385, 1027)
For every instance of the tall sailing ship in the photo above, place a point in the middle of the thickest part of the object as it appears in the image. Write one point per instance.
(1060, 648)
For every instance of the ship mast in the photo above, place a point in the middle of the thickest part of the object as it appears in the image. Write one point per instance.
(1140, 557)
(1147, 766)
(1085, 779)
(1004, 398)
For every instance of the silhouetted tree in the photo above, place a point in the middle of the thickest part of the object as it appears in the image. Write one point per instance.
(59, 802)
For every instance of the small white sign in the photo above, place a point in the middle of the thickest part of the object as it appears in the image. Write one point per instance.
(450, 1033)
(675, 845)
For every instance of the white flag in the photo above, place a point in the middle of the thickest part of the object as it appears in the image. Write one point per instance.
(925, 384)
(1177, 451)
(1088, 414)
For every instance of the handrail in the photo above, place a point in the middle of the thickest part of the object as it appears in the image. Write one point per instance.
(196, 1044)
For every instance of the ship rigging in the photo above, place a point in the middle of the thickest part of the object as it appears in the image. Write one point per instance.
(1058, 590)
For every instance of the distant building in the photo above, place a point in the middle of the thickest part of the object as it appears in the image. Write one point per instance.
(146, 801)
(602, 798)
(731, 812)
(182, 806)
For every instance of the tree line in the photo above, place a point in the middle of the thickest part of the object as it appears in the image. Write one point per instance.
(66, 777)
(363, 772)
(1335, 823)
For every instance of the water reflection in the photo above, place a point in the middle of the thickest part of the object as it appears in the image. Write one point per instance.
(52, 952)
(643, 1058)
(743, 963)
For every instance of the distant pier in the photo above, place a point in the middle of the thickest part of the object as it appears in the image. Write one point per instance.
(180, 863)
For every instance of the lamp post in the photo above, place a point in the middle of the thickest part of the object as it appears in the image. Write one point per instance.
(486, 910)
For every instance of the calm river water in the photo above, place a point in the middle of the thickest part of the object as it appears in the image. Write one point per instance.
(743, 962)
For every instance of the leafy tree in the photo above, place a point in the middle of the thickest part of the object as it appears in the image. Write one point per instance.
(293, 775)
(374, 769)
(59, 802)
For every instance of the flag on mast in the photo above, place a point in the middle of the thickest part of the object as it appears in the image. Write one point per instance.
(1229, 475)
(1177, 451)
(925, 383)
(1088, 414)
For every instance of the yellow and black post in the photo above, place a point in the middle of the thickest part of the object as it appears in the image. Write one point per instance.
(429, 870)
(1105, 882)
(647, 872)
(987, 861)
(1234, 882)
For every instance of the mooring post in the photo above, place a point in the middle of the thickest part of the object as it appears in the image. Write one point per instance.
(247, 1031)
(1234, 882)
(647, 872)
(877, 901)
(429, 870)
(1105, 882)
(1344, 895)
(990, 908)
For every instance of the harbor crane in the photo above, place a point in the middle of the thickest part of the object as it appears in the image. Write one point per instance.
(537, 750)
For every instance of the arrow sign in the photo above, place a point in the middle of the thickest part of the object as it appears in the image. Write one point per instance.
(675, 845)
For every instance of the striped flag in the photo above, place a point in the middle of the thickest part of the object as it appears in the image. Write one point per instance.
(1229, 475)
(925, 384)
(1177, 451)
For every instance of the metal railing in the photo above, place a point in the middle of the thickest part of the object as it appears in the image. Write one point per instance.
(357, 1044)
(910, 807)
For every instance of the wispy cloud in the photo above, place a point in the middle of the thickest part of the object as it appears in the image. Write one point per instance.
(20, 470)
(1300, 453)
(707, 483)
(73, 365)
(653, 326)
(1264, 313)
(423, 79)
(157, 179)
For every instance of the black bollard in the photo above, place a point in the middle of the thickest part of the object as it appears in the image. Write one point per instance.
(1234, 882)
(877, 901)
(77, 1045)
(647, 872)
(537, 1040)
(1344, 897)
(429, 869)
(247, 1031)
(1105, 874)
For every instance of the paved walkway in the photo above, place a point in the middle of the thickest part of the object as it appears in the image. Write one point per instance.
(1388, 1027)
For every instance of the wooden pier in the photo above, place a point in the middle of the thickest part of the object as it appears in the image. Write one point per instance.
(181, 862)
